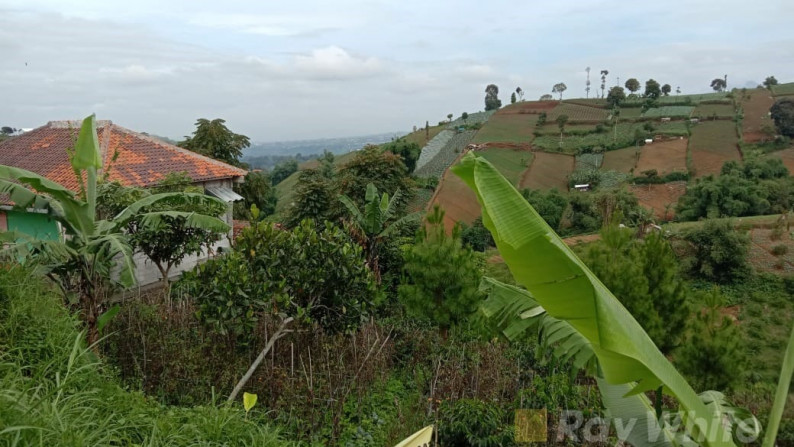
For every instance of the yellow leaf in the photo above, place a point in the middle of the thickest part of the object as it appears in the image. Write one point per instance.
(249, 400)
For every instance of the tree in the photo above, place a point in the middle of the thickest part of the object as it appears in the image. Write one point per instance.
(559, 88)
(520, 93)
(604, 74)
(678, 90)
(442, 277)
(283, 170)
(561, 121)
(546, 97)
(376, 222)
(769, 82)
(717, 251)
(719, 84)
(5, 130)
(213, 139)
(464, 116)
(256, 190)
(323, 284)
(449, 117)
(513, 98)
(666, 89)
(632, 85)
(652, 89)
(96, 257)
(713, 350)
(476, 236)
(616, 96)
(492, 101)
(314, 199)
(549, 204)
(782, 112)
(372, 165)
(408, 151)
(177, 234)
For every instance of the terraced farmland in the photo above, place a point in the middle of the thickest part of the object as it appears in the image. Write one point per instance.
(573, 143)
(578, 112)
(783, 89)
(711, 145)
(705, 111)
(588, 161)
(548, 171)
(630, 112)
(528, 108)
(510, 162)
(694, 99)
(446, 155)
(458, 201)
(433, 148)
(787, 157)
(663, 156)
(660, 198)
(669, 111)
(473, 118)
(620, 160)
(552, 129)
(507, 128)
(420, 137)
(756, 115)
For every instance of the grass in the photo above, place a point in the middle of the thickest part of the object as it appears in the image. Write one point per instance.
(621, 160)
(54, 391)
(507, 128)
(783, 89)
(510, 162)
(705, 111)
(669, 111)
(573, 143)
(578, 112)
(551, 128)
(419, 137)
(548, 171)
(712, 144)
(696, 98)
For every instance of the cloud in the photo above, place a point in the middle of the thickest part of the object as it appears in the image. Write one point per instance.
(334, 63)
(274, 25)
(136, 74)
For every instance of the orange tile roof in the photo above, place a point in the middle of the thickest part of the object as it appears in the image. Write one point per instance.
(142, 160)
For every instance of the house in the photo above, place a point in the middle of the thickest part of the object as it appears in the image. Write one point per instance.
(582, 187)
(131, 158)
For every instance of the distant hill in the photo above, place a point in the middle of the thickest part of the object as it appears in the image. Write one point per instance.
(309, 147)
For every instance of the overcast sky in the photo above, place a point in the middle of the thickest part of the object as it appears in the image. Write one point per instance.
(283, 70)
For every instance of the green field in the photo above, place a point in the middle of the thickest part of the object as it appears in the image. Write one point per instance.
(716, 96)
(705, 111)
(712, 144)
(620, 160)
(624, 136)
(578, 112)
(630, 112)
(551, 128)
(669, 111)
(510, 162)
(507, 128)
(783, 89)
(419, 137)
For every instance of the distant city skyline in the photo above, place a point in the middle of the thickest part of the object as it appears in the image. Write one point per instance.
(279, 71)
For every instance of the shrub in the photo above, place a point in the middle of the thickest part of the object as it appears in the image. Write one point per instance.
(477, 236)
(472, 422)
(718, 252)
(779, 250)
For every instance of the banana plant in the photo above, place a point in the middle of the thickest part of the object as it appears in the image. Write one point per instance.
(585, 322)
(95, 257)
(371, 227)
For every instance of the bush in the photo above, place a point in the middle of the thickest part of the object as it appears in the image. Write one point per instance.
(477, 236)
(472, 422)
(779, 250)
(718, 252)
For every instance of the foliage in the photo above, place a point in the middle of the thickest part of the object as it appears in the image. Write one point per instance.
(409, 152)
(643, 274)
(717, 251)
(718, 84)
(713, 352)
(257, 190)
(559, 88)
(378, 221)
(383, 169)
(183, 228)
(549, 204)
(587, 313)
(215, 140)
(476, 236)
(492, 101)
(314, 199)
(769, 82)
(55, 391)
(615, 96)
(283, 170)
(666, 89)
(472, 422)
(96, 257)
(782, 112)
(441, 276)
(652, 89)
(324, 280)
(632, 85)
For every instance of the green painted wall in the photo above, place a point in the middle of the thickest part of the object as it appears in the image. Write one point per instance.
(34, 224)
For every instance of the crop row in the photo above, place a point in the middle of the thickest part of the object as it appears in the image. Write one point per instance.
(576, 112)
(669, 111)
(446, 156)
(433, 147)
(473, 118)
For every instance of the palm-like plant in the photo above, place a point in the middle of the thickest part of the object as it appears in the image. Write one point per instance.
(581, 318)
(372, 226)
(95, 257)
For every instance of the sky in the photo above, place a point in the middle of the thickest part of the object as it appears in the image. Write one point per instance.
(303, 69)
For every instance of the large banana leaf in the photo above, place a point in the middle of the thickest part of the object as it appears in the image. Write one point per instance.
(781, 394)
(560, 282)
(173, 197)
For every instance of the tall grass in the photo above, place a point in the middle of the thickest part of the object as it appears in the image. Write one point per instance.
(55, 392)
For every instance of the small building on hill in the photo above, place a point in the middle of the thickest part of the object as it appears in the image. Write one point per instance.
(131, 158)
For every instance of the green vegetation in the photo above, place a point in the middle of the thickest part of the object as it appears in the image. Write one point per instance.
(510, 162)
(507, 128)
(783, 89)
(669, 111)
(215, 140)
(782, 112)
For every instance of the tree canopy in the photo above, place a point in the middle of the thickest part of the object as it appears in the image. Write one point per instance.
(632, 85)
(652, 89)
(616, 96)
(559, 88)
(215, 140)
(492, 101)
(718, 84)
(782, 113)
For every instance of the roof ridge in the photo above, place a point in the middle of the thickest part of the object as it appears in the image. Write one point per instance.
(181, 150)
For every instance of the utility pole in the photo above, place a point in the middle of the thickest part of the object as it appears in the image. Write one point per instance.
(587, 87)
